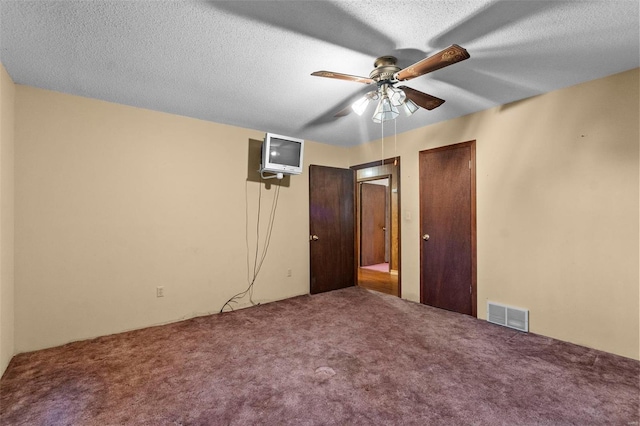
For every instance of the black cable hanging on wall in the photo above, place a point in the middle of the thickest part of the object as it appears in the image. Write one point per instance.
(257, 264)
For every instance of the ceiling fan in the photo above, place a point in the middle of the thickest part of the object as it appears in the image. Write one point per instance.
(386, 75)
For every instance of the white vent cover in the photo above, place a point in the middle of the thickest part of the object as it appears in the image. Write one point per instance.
(508, 316)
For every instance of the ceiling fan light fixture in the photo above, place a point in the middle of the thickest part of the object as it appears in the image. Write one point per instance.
(360, 105)
(396, 96)
(409, 107)
(385, 111)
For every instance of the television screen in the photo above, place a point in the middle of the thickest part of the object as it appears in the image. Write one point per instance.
(282, 155)
(285, 152)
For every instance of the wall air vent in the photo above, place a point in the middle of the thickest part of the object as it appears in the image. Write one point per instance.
(508, 316)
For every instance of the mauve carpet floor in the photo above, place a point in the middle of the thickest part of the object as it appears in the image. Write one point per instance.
(347, 357)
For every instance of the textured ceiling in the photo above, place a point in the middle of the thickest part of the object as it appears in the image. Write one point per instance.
(249, 63)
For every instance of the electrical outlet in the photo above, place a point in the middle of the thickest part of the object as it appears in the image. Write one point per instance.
(288, 272)
(160, 291)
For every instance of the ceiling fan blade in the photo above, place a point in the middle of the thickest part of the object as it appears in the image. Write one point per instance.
(446, 57)
(422, 99)
(341, 76)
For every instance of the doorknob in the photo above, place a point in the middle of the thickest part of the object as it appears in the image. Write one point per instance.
(425, 237)
(313, 238)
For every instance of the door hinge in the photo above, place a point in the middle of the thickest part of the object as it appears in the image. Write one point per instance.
(469, 164)
(470, 290)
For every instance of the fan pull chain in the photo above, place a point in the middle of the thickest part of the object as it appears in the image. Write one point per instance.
(382, 143)
(395, 143)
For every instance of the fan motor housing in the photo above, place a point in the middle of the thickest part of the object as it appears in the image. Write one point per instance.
(385, 68)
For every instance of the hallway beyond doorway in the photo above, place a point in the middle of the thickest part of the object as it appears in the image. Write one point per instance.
(383, 282)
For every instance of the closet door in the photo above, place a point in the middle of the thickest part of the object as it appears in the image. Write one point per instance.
(447, 222)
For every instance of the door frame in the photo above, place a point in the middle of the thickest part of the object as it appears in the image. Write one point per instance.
(359, 215)
(392, 161)
(474, 249)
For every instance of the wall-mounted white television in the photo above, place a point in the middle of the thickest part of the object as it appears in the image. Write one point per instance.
(282, 154)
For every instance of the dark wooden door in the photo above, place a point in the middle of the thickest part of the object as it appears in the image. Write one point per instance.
(332, 228)
(373, 213)
(447, 222)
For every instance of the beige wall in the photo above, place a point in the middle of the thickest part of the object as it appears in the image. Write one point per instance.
(7, 96)
(557, 208)
(113, 201)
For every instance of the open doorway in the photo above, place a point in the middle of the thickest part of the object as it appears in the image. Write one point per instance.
(378, 225)
(375, 215)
